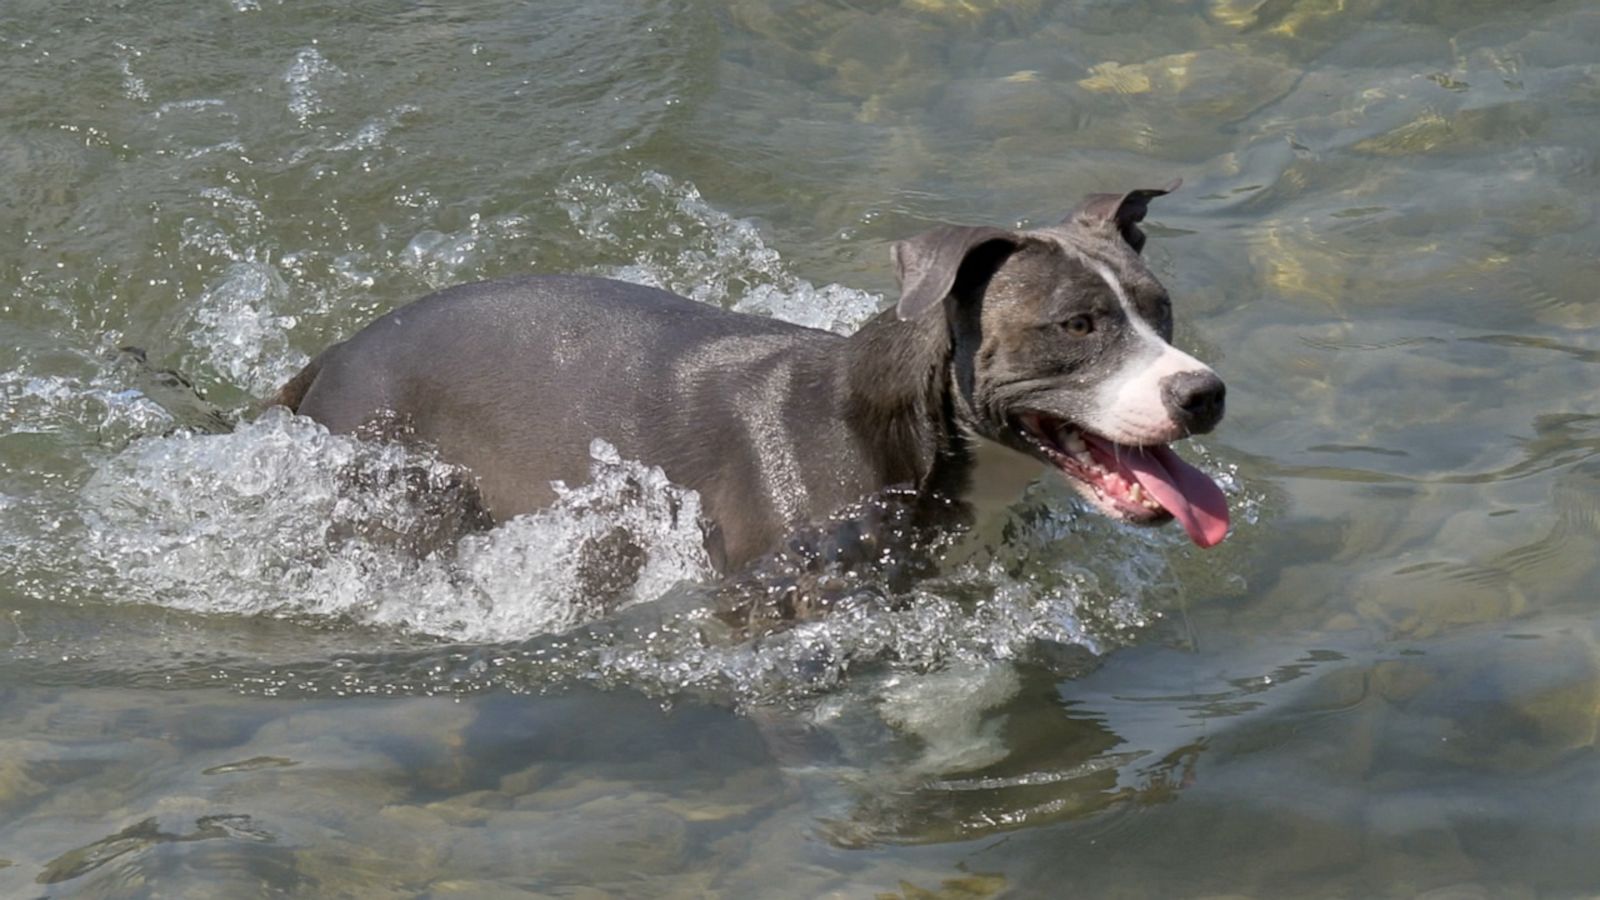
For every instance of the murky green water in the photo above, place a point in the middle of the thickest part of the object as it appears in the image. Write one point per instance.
(1385, 684)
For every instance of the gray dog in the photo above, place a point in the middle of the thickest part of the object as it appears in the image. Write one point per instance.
(1009, 353)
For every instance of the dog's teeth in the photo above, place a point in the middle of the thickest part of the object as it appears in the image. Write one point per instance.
(1136, 493)
(1073, 442)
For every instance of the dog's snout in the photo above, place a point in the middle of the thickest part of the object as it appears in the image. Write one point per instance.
(1195, 400)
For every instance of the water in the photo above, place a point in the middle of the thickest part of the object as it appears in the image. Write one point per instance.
(220, 676)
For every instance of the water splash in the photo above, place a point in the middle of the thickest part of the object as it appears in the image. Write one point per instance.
(263, 522)
(49, 404)
(973, 618)
(609, 586)
(244, 336)
(711, 256)
(283, 518)
(442, 259)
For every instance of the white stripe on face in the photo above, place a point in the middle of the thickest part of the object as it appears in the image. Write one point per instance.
(1128, 406)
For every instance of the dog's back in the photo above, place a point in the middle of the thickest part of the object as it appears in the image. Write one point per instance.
(512, 379)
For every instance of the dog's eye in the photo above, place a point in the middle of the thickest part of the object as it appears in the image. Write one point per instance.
(1079, 326)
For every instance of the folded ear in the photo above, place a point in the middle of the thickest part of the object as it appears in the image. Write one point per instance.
(1125, 211)
(927, 265)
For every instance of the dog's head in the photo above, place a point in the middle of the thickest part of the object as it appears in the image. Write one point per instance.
(1062, 351)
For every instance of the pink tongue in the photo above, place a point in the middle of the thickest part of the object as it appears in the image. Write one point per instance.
(1186, 492)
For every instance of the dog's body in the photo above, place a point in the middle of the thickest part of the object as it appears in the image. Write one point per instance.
(1051, 351)
(514, 378)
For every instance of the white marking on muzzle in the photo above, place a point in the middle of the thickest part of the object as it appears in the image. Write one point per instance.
(1128, 406)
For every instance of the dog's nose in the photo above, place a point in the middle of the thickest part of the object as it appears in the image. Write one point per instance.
(1194, 400)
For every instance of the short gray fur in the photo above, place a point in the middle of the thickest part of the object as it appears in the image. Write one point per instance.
(774, 424)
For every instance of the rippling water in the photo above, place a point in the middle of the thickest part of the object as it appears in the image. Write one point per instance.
(220, 676)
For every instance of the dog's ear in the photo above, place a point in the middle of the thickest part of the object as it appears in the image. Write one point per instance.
(928, 264)
(1124, 211)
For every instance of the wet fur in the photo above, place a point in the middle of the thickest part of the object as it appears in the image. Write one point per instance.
(775, 425)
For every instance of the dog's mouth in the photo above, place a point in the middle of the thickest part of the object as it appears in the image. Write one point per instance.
(1146, 484)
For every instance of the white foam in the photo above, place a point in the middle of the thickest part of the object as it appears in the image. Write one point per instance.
(263, 521)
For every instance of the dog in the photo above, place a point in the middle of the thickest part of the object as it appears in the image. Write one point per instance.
(1009, 354)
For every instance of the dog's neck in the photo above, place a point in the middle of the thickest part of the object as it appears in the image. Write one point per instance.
(899, 400)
